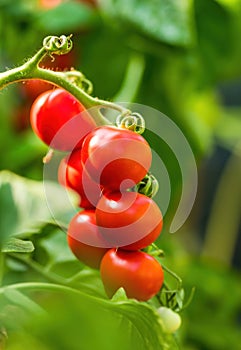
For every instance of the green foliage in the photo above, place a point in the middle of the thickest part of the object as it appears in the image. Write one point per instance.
(66, 18)
(24, 204)
(15, 245)
(122, 326)
(212, 321)
(182, 51)
(164, 21)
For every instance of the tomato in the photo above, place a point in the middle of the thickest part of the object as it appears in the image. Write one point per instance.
(116, 158)
(85, 240)
(73, 175)
(128, 220)
(60, 120)
(137, 272)
(171, 320)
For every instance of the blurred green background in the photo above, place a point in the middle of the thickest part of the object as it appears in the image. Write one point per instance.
(181, 57)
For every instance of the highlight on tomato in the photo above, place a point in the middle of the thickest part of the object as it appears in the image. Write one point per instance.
(72, 174)
(116, 158)
(60, 120)
(128, 220)
(84, 239)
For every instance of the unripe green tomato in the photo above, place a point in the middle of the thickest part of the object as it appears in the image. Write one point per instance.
(171, 320)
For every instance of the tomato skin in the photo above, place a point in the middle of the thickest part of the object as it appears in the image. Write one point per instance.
(116, 158)
(72, 174)
(137, 272)
(128, 220)
(58, 109)
(85, 240)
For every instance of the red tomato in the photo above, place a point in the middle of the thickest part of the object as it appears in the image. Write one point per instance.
(116, 158)
(128, 220)
(72, 174)
(137, 272)
(85, 240)
(60, 120)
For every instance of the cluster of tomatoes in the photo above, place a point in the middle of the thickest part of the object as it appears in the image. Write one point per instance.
(103, 166)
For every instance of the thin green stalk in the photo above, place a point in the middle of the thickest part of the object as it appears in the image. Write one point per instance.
(132, 79)
(174, 275)
(31, 70)
(50, 276)
(222, 229)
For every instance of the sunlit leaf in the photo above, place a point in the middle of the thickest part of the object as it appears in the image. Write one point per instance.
(168, 21)
(15, 245)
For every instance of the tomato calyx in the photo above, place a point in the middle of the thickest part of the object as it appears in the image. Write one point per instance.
(148, 186)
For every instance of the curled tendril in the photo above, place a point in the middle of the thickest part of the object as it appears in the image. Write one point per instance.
(58, 45)
(148, 186)
(80, 80)
(133, 121)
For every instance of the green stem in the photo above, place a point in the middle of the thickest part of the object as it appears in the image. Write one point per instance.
(132, 79)
(38, 286)
(30, 70)
(50, 276)
(223, 226)
(174, 275)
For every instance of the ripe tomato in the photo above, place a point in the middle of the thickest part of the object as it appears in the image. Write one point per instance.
(137, 272)
(116, 158)
(85, 240)
(128, 220)
(72, 174)
(60, 120)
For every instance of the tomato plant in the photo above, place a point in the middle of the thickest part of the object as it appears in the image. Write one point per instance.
(129, 220)
(137, 272)
(116, 158)
(72, 174)
(59, 120)
(106, 166)
(82, 229)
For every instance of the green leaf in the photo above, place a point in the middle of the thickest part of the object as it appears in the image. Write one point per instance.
(57, 248)
(22, 300)
(8, 212)
(15, 245)
(230, 4)
(168, 21)
(218, 31)
(66, 17)
(23, 205)
(120, 295)
(96, 323)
